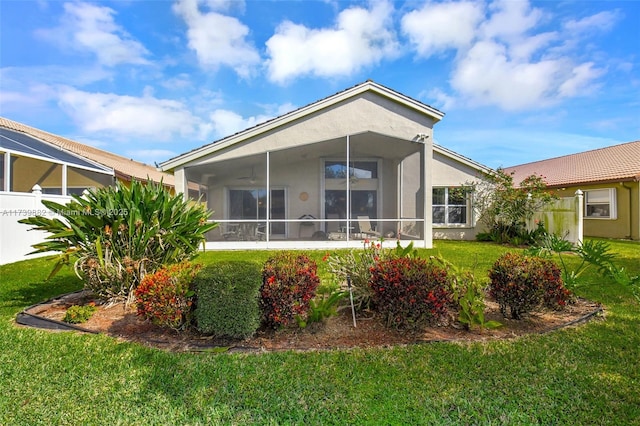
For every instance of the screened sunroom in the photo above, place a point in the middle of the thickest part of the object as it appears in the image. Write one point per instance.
(26, 161)
(355, 167)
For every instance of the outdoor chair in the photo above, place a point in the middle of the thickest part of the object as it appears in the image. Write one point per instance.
(365, 227)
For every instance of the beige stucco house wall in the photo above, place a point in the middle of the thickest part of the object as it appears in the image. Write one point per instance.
(384, 137)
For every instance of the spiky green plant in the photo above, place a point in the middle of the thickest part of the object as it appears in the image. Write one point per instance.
(119, 233)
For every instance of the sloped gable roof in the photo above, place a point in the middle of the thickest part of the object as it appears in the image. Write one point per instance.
(611, 164)
(124, 168)
(367, 86)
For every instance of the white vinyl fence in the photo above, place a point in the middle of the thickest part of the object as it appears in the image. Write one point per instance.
(564, 217)
(15, 238)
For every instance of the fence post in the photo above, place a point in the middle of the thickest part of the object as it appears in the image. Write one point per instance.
(580, 208)
(37, 199)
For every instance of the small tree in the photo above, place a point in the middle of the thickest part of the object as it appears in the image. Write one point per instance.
(504, 207)
(119, 233)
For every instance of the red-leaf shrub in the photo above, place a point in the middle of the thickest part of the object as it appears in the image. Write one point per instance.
(289, 282)
(410, 292)
(165, 297)
(523, 283)
(556, 295)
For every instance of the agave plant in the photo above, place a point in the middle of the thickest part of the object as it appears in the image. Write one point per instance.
(120, 233)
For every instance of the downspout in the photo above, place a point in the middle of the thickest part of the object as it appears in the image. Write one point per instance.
(630, 224)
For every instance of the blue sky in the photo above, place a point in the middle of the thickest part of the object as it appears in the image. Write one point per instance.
(519, 81)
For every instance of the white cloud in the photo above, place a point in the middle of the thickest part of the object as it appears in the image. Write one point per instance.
(150, 156)
(217, 39)
(510, 19)
(526, 47)
(226, 122)
(602, 21)
(486, 75)
(225, 5)
(502, 56)
(177, 82)
(359, 38)
(580, 79)
(440, 26)
(25, 98)
(127, 116)
(441, 99)
(90, 28)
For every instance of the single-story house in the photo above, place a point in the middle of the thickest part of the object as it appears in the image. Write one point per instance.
(609, 179)
(37, 165)
(357, 165)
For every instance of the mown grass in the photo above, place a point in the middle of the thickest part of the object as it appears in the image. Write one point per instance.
(584, 375)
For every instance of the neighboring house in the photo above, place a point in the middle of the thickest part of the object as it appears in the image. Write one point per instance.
(30, 156)
(36, 165)
(608, 177)
(356, 165)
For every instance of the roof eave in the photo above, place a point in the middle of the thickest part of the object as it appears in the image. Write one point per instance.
(594, 182)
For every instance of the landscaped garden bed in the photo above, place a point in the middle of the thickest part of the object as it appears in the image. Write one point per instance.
(577, 375)
(336, 332)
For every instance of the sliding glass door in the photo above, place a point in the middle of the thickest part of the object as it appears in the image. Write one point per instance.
(362, 178)
(251, 204)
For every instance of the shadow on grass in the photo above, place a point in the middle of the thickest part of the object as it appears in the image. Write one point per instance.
(32, 292)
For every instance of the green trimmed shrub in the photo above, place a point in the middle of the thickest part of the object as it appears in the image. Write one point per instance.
(523, 283)
(289, 282)
(410, 292)
(227, 295)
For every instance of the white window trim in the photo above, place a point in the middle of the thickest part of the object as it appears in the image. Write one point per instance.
(446, 205)
(613, 211)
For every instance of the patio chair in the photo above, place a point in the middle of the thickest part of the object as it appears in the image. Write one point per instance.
(365, 227)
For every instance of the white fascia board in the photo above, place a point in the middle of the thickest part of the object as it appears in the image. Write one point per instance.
(295, 115)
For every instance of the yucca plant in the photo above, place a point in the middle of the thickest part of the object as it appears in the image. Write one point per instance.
(119, 233)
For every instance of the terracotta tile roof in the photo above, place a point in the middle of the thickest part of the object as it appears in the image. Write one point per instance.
(614, 163)
(124, 168)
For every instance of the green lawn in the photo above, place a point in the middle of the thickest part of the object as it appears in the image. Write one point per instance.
(585, 375)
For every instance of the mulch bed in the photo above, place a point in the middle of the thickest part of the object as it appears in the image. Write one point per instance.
(335, 333)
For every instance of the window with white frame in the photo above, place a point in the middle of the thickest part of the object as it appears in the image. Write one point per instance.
(450, 206)
(600, 203)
